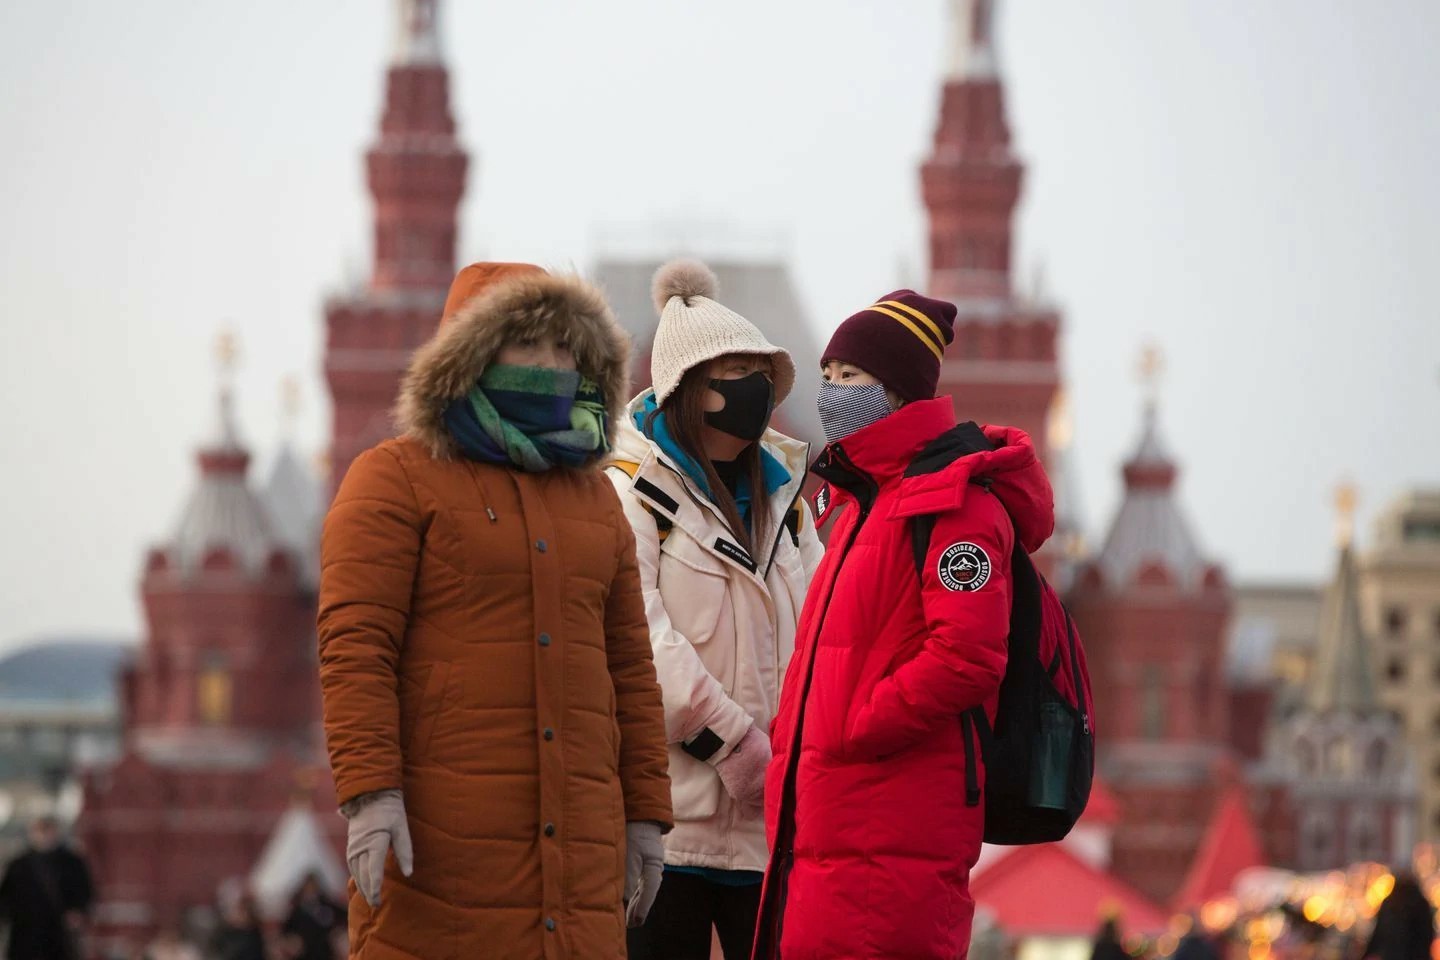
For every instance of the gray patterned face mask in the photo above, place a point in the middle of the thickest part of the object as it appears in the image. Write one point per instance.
(844, 410)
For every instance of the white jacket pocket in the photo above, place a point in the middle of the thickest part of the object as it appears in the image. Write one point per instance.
(695, 787)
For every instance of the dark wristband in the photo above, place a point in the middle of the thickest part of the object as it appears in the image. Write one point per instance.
(703, 745)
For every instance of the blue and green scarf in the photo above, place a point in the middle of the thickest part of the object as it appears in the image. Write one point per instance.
(533, 418)
(650, 420)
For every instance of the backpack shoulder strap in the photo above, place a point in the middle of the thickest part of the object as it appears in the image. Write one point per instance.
(959, 441)
(663, 524)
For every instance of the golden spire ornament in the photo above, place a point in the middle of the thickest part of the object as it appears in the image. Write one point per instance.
(1347, 498)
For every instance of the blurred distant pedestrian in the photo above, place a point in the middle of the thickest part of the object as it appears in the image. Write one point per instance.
(169, 945)
(239, 935)
(1404, 924)
(312, 923)
(1196, 945)
(1108, 943)
(45, 895)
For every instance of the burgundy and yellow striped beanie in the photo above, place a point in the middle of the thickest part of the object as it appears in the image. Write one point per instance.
(900, 340)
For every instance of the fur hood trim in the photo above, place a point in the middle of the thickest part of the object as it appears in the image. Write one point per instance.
(523, 305)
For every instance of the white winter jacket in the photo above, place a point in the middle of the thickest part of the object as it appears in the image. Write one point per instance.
(722, 626)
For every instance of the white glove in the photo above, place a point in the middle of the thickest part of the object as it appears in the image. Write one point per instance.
(743, 773)
(644, 867)
(377, 824)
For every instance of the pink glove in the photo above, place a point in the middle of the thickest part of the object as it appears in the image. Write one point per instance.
(743, 772)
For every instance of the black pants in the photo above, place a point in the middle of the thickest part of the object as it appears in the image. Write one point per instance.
(678, 927)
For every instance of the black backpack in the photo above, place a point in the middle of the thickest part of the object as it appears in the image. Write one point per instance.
(1040, 755)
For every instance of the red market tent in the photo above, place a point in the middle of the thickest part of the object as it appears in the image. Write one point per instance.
(1230, 846)
(1046, 891)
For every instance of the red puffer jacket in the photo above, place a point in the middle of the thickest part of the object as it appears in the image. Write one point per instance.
(869, 797)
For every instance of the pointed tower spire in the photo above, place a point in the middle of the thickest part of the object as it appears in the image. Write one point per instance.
(1150, 532)
(1344, 679)
(225, 453)
(417, 169)
(223, 514)
(971, 183)
(416, 173)
(417, 41)
(972, 44)
(1004, 358)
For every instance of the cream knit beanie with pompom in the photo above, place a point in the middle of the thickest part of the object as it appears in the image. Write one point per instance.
(695, 329)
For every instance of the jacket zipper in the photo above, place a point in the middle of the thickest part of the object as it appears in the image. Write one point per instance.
(972, 773)
(787, 801)
(780, 531)
(775, 546)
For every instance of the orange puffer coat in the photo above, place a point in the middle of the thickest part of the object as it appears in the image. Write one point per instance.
(483, 647)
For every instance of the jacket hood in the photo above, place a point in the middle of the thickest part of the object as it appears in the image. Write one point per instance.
(1010, 469)
(518, 303)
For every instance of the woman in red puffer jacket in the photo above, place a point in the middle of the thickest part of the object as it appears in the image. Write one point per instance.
(874, 799)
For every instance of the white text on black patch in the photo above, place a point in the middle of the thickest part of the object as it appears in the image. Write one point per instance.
(964, 566)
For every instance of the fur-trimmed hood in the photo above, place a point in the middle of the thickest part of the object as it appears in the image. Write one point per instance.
(521, 304)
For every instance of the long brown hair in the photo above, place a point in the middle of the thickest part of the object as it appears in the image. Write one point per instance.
(685, 418)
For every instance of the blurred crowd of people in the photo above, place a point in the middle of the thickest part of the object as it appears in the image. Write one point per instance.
(46, 896)
(1404, 929)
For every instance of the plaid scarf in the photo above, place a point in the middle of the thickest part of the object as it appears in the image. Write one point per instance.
(534, 418)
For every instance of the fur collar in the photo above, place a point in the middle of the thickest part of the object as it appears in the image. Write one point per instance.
(448, 366)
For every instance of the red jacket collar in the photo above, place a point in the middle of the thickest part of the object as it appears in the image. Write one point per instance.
(885, 448)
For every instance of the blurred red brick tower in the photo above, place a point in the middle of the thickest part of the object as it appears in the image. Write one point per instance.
(1153, 612)
(416, 173)
(1002, 367)
(220, 709)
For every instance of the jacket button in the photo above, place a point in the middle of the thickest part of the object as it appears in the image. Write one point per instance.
(540, 545)
(548, 734)
(550, 924)
(544, 639)
(549, 829)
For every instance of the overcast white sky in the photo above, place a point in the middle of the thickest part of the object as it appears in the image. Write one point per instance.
(1250, 184)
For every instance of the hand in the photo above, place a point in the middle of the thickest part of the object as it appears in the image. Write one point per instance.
(377, 824)
(743, 772)
(644, 866)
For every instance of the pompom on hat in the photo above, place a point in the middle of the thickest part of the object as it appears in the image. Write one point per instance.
(695, 329)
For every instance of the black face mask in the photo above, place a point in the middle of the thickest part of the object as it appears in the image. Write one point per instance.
(748, 404)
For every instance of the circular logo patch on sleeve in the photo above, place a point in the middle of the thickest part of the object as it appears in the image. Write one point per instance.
(964, 566)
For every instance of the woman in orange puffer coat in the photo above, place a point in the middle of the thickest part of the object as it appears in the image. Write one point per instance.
(491, 709)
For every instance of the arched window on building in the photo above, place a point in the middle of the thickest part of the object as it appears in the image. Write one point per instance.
(1364, 836)
(1375, 757)
(213, 693)
(1152, 703)
(1340, 758)
(1395, 670)
(1395, 622)
(1306, 756)
(1318, 843)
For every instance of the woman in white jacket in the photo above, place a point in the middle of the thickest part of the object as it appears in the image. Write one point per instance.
(726, 548)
